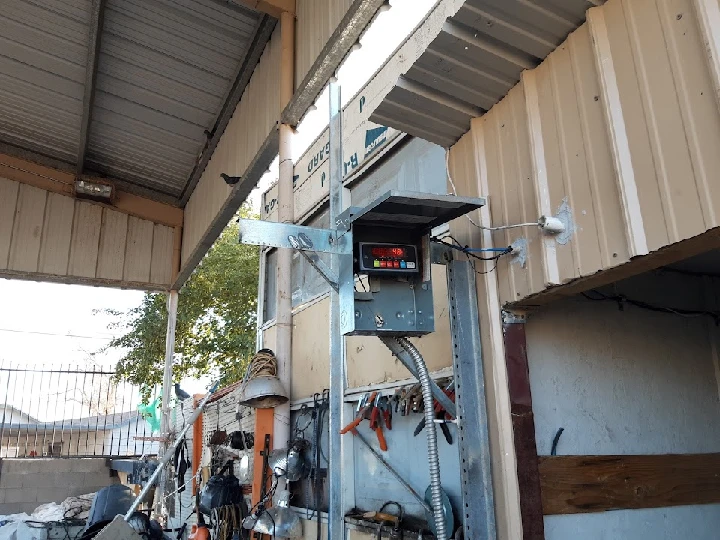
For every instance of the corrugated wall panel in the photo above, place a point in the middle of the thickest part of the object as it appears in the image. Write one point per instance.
(616, 132)
(55, 250)
(111, 257)
(316, 20)
(85, 240)
(27, 229)
(8, 202)
(50, 236)
(254, 119)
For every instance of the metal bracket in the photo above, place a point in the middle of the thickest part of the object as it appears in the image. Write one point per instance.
(325, 271)
(508, 317)
(287, 235)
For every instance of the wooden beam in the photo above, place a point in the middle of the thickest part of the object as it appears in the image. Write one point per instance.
(63, 182)
(580, 484)
(264, 422)
(523, 422)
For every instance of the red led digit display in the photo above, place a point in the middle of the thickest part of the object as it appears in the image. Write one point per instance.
(389, 252)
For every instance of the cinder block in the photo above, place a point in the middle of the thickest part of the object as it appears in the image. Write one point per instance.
(52, 494)
(17, 508)
(22, 495)
(118, 530)
(97, 479)
(11, 480)
(64, 479)
(36, 480)
(88, 465)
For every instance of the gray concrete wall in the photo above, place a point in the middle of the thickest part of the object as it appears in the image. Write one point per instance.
(629, 382)
(25, 484)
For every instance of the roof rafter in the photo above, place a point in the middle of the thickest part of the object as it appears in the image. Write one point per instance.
(94, 38)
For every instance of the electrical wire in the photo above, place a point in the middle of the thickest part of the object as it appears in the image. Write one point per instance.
(483, 227)
(621, 300)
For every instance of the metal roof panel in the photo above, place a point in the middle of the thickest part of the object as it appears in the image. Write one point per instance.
(474, 60)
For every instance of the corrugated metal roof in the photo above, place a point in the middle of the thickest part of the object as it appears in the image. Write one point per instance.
(43, 51)
(473, 62)
(165, 70)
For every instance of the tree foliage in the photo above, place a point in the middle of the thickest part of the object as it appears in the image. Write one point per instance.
(215, 331)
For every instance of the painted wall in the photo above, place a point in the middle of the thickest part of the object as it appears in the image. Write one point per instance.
(629, 382)
(616, 133)
(54, 237)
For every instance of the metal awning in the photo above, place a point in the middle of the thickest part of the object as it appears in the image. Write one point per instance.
(471, 64)
(136, 90)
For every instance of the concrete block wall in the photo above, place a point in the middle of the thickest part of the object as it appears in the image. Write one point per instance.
(25, 484)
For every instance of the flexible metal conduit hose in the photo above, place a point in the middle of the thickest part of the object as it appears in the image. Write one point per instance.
(433, 458)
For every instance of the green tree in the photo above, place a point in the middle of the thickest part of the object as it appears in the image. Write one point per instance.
(215, 331)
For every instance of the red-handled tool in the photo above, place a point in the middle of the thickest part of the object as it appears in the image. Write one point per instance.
(362, 409)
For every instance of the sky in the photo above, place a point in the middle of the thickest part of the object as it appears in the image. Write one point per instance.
(46, 324)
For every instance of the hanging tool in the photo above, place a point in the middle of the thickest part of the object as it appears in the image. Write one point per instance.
(363, 408)
(375, 423)
(440, 414)
(387, 412)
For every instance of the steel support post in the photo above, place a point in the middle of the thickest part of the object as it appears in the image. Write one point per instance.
(172, 307)
(478, 512)
(336, 520)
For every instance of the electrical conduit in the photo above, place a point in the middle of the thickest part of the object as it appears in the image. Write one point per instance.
(433, 458)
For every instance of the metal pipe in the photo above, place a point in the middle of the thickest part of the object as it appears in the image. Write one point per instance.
(407, 361)
(433, 457)
(169, 454)
(172, 307)
(286, 214)
(393, 471)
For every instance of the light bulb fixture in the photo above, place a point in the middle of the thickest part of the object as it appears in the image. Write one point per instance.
(95, 190)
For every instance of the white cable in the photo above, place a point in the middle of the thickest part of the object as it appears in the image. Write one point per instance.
(454, 191)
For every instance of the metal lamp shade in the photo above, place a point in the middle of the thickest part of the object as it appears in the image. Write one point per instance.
(264, 392)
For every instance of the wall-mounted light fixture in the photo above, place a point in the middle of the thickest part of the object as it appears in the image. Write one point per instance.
(95, 190)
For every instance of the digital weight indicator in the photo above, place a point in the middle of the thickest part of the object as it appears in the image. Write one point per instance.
(375, 258)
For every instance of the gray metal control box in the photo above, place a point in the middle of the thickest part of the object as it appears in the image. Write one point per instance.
(391, 247)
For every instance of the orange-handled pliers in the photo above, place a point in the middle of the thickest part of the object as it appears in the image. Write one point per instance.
(362, 409)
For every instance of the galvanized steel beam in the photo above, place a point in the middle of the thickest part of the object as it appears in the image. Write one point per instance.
(478, 509)
(91, 67)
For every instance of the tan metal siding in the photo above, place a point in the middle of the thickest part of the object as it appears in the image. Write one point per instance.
(50, 236)
(27, 229)
(316, 20)
(55, 250)
(8, 202)
(111, 257)
(620, 127)
(254, 119)
(85, 240)
(160, 271)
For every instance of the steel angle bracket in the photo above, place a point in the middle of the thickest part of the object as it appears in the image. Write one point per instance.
(286, 235)
(309, 241)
